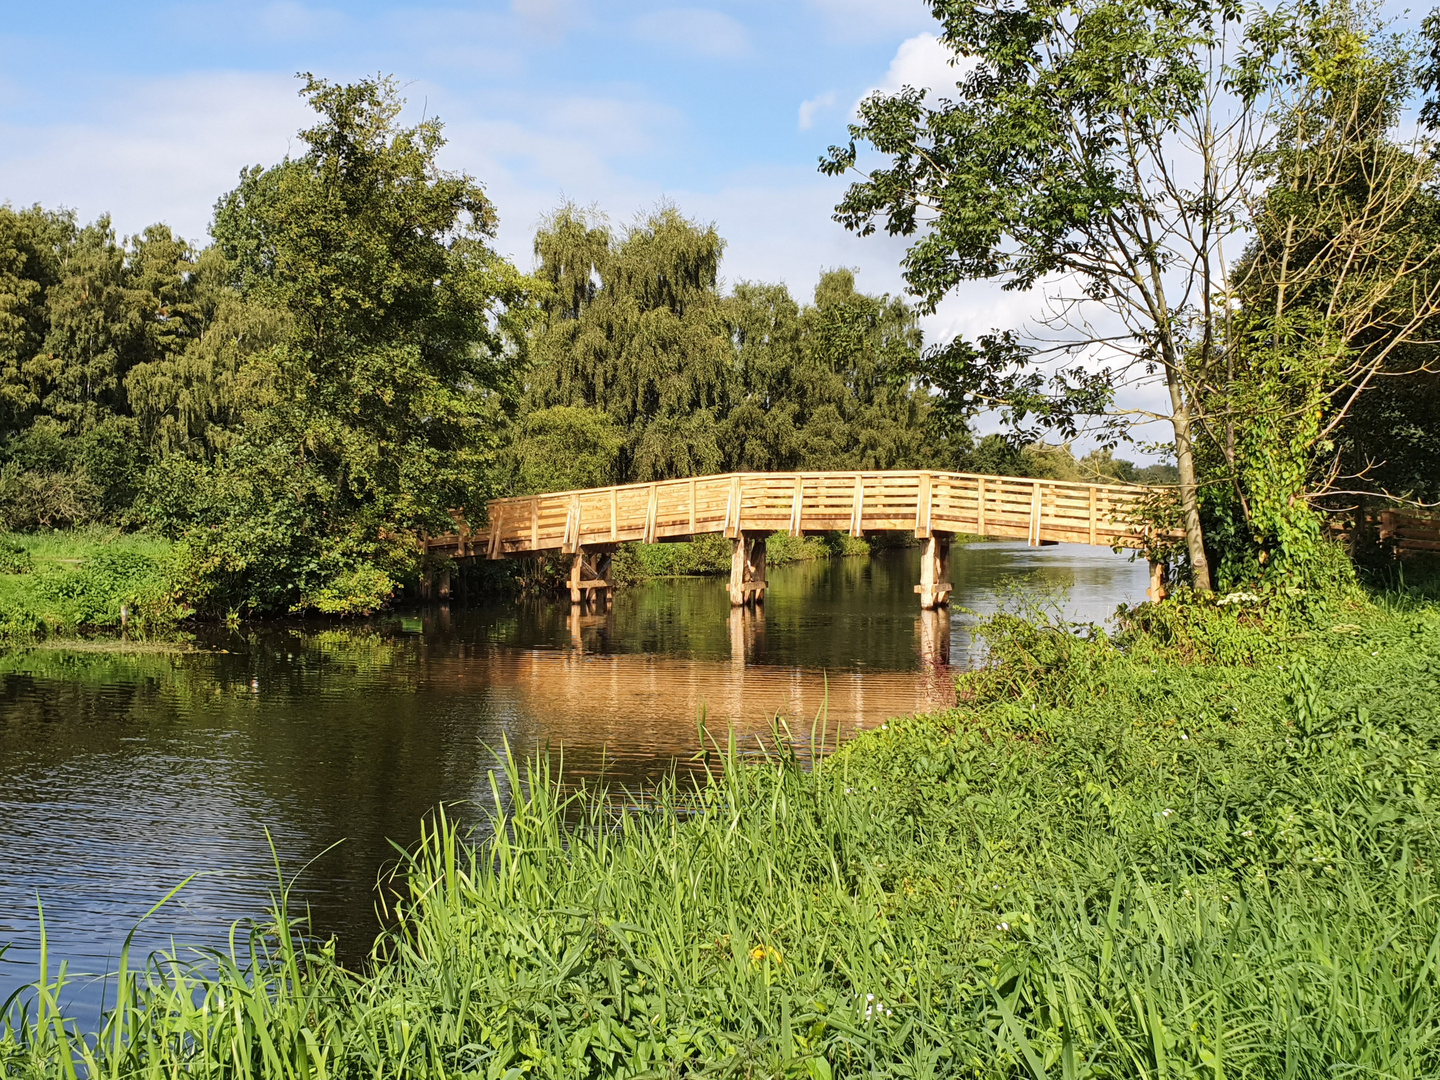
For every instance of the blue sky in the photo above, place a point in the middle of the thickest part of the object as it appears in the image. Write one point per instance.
(148, 110)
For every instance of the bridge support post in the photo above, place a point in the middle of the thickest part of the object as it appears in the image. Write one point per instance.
(590, 584)
(934, 587)
(1156, 592)
(747, 569)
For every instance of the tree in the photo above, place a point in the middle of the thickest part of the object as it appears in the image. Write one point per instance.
(634, 328)
(1338, 293)
(1118, 154)
(401, 317)
(1056, 163)
(351, 389)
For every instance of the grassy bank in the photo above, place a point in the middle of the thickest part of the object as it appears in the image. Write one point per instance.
(57, 583)
(1209, 848)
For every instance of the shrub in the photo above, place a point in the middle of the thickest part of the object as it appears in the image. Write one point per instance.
(33, 499)
(15, 559)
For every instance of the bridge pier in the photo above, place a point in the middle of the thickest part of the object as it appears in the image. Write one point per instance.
(747, 569)
(590, 584)
(935, 587)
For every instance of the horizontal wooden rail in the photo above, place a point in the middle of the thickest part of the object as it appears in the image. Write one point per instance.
(923, 502)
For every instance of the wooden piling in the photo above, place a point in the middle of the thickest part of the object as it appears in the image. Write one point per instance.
(747, 569)
(935, 587)
(1156, 592)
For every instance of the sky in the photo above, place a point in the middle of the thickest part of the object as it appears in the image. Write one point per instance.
(148, 111)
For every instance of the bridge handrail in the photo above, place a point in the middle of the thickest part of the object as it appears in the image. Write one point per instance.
(862, 500)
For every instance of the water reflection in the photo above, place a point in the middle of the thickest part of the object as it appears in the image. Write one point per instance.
(121, 774)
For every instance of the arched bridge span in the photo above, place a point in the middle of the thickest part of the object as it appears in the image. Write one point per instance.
(748, 507)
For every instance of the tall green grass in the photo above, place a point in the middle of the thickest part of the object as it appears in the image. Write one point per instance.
(1178, 854)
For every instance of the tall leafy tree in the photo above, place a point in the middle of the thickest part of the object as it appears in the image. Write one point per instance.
(1115, 154)
(400, 314)
(635, 330)
(1054, 161)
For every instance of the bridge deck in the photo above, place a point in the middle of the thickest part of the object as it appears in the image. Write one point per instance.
(1039, 511)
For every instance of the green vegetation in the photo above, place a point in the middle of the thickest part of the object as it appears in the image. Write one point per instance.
(1280, 289)
(64, 582)
(712, 554)
(1203, 848)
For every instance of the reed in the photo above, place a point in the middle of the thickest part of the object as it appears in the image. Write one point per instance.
(1113, 860)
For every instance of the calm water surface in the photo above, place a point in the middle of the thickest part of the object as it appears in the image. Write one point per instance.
(122, 774)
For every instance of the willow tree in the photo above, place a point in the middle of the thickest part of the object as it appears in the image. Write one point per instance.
(634, 330)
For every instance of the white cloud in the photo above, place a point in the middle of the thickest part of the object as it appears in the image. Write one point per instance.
(158, 150)
(695, 30)
(808, 109)
(924, 63)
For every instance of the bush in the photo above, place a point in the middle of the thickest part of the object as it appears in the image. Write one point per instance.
(33, 499)
(361, 590)
(15, 559)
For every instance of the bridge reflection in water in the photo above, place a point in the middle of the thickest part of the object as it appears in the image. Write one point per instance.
(628, 714)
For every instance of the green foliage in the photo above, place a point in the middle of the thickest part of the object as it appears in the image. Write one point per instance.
(401, 322)
(14, 559)
(1330, 303)
(63, 582)
(1114, 859)
(564, 448)
(356, 590)
(636, 331)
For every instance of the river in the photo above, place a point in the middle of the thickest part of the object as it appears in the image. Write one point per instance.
(123, 773)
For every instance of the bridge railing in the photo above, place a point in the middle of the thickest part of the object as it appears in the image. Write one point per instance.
(926, 502)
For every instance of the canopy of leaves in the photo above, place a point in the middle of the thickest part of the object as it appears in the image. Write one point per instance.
(638, 334)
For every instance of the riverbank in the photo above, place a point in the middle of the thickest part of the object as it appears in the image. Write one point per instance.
(1207, 846)
(65, 582)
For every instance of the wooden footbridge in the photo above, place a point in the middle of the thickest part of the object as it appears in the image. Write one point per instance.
(748, 507)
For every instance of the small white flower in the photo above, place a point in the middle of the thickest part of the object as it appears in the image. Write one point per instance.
(1375, 653)
(849, 791)
(1166, 812)
(1184, 737)
(1003, 927)
(1248, 832)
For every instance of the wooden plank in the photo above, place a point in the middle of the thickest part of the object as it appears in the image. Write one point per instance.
(1035, 514)
(614, 514)
(497, 529)
(534, 523)
(857, 510)
(922, 508)
(651, 506)
(732, 508)
(980, 507)
(692, 506)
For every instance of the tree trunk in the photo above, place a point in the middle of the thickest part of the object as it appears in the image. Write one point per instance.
(1189, 488)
